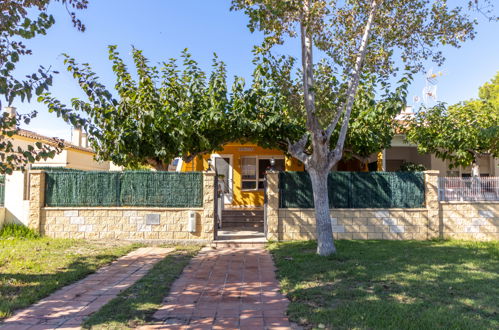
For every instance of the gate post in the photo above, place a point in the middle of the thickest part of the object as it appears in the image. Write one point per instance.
(272, 206)
(209, 200)
(36, 199)
(435, 229)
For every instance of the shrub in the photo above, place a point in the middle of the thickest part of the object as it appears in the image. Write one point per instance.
(13, 230)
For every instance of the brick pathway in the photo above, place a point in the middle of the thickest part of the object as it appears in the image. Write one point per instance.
(231, 288)
(67, 307)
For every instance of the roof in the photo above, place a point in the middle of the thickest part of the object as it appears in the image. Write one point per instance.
(50, 140)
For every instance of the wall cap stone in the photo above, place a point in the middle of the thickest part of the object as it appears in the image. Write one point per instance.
(469, 202)
(123, 208)
(419, 209)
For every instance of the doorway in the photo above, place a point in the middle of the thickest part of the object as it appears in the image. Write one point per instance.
(223, 168)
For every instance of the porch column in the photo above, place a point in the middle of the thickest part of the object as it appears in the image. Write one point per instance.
(273, 206)
(432, 204)
(36, 199)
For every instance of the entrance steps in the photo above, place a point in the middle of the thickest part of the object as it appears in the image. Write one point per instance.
(240, 238)
(233, 218)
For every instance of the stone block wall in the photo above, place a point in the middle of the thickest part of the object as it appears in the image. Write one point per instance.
(299, 224)
(470, 220)
(124, 223)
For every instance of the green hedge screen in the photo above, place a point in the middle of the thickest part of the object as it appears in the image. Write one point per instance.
(355, 190)
(130, 188)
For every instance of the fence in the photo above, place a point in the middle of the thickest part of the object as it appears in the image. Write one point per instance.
(2, 190)
(131, 188)
(355, 190)
(468, 189)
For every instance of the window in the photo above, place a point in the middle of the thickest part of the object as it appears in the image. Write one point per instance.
(250, 166)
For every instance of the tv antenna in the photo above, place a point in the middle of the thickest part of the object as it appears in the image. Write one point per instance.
(430, 90)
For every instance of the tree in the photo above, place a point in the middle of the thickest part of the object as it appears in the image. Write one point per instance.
(174, 111)
(358, 37)
(461, 133)
(16, 25)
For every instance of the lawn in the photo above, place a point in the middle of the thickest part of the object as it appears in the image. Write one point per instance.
(32, 268)
(392, 284)
(136, 305)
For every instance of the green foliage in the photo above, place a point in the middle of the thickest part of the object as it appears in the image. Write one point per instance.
(172, 111)
(12, 230)
(410, 31)
(372, 122)
(355, 190)
(411, 167)
(460, 133)
(22, 20)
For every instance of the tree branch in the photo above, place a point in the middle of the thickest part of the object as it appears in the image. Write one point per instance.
(308, 68)
(297, 149)
(353, 84)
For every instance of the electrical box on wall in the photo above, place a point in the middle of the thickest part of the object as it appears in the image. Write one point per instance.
(191, 224)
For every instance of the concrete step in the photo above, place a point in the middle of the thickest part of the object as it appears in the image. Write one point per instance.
(242, 219)
(228, 224)
(242, 215)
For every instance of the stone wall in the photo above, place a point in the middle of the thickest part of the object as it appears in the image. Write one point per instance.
(131, 223)
(470, 220)
(456, 220)
(123, 223)
(299, 224)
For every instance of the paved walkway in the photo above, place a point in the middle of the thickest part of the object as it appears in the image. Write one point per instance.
(230, 288)
(67, 307)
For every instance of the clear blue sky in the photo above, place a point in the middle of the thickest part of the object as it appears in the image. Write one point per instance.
(162, 28)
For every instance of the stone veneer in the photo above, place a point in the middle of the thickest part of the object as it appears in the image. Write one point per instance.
(298, 224)
(470, 220)
(123, 223)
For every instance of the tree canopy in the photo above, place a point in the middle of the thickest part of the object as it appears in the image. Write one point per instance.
(463, 132)
(21, 20)
(176, 110)
(369, 37)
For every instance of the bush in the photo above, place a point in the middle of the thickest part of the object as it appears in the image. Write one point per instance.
(17, 231)
(411, 167)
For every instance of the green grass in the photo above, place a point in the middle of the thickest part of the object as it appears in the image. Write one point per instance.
(136, 305)
(12, 230)
(32, 268)
(392, 284)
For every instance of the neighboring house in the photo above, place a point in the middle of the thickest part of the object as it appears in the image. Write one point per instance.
(75, 154)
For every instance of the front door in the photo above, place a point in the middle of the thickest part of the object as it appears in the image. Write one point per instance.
(223, 168)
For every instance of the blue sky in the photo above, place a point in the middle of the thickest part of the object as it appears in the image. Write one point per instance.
(162, 28)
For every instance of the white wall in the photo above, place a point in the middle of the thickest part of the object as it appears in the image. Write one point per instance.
(16, 208)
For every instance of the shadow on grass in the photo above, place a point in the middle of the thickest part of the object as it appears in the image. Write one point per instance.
(392, 284)
(137, 304)
(19, 290)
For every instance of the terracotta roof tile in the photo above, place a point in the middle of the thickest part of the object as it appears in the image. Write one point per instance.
(50, 140)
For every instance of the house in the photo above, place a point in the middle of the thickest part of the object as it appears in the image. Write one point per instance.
(75, 154)
(241, 169)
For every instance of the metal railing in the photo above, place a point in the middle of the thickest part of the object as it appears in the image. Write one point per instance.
(468, 189)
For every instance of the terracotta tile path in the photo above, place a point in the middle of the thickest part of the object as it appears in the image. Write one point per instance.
(228, 288)
(67, 307)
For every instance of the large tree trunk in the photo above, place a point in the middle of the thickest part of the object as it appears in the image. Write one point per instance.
(325, 241)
